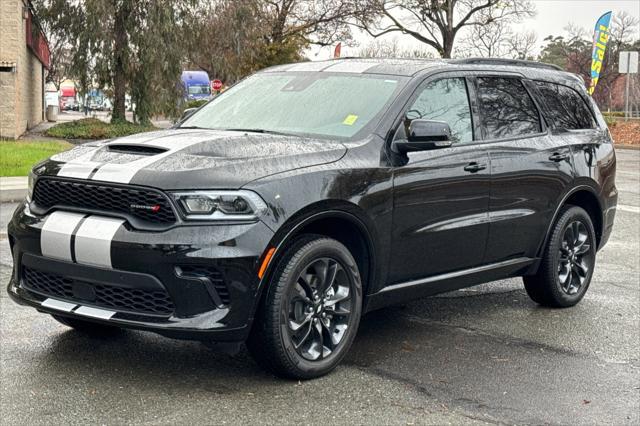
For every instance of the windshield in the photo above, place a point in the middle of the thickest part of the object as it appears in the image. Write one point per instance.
(198, 89)
(318, 103)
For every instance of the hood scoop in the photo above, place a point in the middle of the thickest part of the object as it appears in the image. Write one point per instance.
(135, 149)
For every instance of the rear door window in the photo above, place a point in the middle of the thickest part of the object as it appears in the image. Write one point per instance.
(567, 109)
(506, 108)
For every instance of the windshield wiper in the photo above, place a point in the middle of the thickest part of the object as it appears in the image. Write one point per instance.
(192, 127)
(270, 132)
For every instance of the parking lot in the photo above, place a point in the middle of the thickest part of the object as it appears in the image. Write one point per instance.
(482, 355)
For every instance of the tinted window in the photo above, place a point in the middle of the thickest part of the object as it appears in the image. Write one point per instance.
(506, 107)
(445, 100)
(567, 109)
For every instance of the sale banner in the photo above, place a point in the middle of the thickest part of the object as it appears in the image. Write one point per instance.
(600, 39)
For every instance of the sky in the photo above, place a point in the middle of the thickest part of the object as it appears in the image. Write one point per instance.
(552, 16)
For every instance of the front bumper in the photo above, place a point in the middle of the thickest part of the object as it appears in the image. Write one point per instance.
(189, 282)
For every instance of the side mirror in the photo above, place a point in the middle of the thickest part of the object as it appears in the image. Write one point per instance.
(187, 112)
(425, 135)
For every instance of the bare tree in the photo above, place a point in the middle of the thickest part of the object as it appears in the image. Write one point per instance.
(232, 38)
(486, 41)
(624, 28)
(522, 45)
(58, 38)
(436, 23)
(319, 22)
(496, 38)
(226, 38)
(391, 49)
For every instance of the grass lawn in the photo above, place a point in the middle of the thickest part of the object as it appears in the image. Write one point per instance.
(92, 128)
(17, 157)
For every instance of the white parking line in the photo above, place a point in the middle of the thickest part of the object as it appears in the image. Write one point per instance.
(626, 208)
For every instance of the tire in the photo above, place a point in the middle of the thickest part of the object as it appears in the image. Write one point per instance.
(88, 327)
(568, 262)
(295, 334)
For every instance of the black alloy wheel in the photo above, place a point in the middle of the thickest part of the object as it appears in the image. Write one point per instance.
(573, 257)
(567, 265)
(311, 310)
(320, 306)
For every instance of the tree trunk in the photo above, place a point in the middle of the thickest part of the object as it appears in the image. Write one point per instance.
(447, 46)
(119, 68)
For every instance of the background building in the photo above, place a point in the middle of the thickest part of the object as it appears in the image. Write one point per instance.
(24, 55)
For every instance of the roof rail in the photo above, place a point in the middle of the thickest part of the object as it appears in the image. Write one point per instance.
(507, 62)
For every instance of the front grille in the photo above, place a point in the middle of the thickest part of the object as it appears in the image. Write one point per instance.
(136, 300)
(216, 278)
(53, 192)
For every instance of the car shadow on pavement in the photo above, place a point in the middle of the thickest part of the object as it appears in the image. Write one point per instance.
(136, 355)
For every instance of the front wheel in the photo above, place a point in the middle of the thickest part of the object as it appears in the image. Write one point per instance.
(568, 262)
(311, 310)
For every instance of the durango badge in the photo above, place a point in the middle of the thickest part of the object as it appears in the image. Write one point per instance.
(154, 209)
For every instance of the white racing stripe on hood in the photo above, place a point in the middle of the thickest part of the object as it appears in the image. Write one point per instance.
(80, 167)
(124, 173)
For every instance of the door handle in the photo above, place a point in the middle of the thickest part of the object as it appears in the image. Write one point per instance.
(474, 167)
(557, 157)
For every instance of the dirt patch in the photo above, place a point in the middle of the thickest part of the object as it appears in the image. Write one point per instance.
(625, 132)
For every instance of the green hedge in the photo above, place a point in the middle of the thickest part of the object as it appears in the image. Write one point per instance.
(195, 103)
(92, 128)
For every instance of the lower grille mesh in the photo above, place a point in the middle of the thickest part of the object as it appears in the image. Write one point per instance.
(118, 298)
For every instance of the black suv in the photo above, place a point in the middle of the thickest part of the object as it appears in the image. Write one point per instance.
(308, 194)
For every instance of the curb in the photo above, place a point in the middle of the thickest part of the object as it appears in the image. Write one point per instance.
(622, 146)
(14, 195)
(13, 188)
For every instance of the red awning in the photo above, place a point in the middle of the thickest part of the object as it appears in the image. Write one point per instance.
(68, 92)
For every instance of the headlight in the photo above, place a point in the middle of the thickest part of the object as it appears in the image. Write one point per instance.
(220, 205)
(32, 181)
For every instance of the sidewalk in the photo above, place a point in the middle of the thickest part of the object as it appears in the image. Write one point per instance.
(13, 188)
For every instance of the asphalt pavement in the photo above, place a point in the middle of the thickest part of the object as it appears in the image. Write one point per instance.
(481, 355)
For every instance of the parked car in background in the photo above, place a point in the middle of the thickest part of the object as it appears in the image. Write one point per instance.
(106, 104)
(196, 85)
(68, 99)
(309, 194)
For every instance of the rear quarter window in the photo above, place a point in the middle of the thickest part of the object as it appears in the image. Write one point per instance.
(566, 109)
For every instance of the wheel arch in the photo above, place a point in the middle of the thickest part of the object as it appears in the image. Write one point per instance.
(587, 198)
(344, 222)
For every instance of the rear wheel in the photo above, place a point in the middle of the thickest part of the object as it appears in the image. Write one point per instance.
(567, 265)
(311, 310)
(88, 327)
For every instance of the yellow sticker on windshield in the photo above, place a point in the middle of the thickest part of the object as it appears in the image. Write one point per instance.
(351, 118)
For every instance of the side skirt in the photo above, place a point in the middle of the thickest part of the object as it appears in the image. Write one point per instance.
(416, 289)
